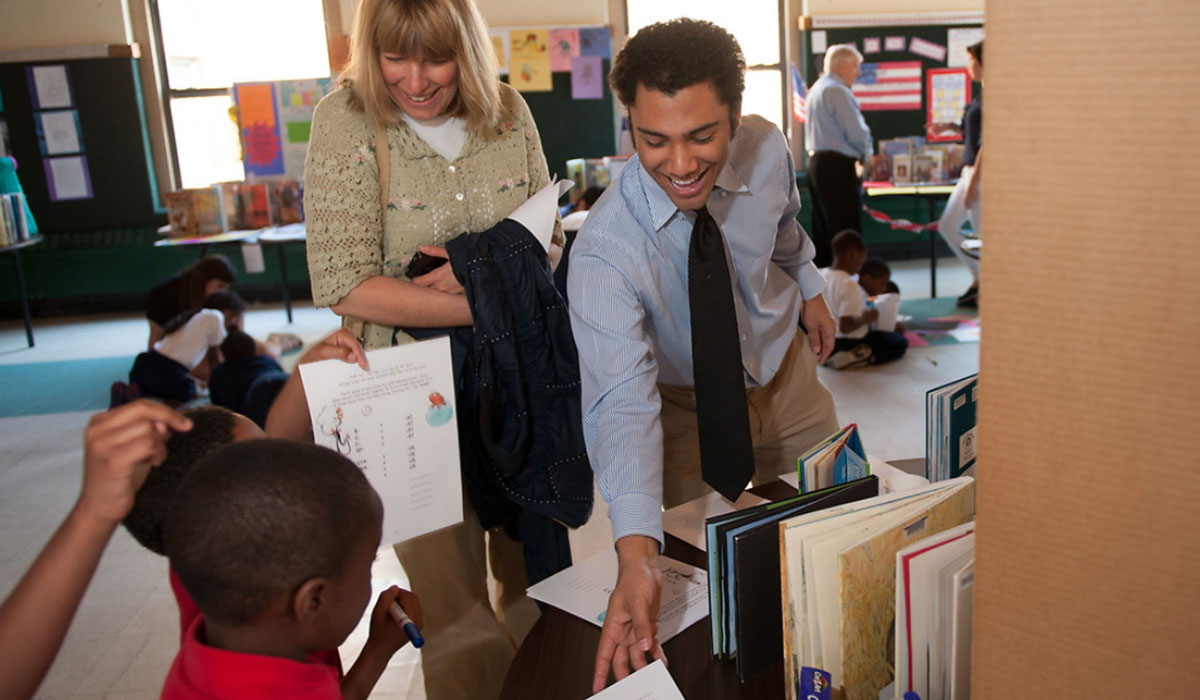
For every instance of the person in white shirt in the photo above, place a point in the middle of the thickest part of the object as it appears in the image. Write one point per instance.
(187, 351)
(857, 342)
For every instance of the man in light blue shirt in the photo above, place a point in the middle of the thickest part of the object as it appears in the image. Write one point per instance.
(838, 138)
(682, 82)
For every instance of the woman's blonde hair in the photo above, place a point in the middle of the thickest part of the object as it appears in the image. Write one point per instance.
(440, 29)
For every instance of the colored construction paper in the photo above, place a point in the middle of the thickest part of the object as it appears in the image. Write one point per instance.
(894, 43)
(587, 78)
(501, 47)
(261, 143)
(595, 41)
(871, 45)
(297, 132)
(529, 43)
(564, 45)
(531, 74)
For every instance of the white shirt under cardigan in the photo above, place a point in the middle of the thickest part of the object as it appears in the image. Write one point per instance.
(629, 310)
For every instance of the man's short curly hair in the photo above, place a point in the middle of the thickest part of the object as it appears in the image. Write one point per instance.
(671, 56)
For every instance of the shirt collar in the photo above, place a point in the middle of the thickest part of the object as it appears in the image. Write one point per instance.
(662, 209)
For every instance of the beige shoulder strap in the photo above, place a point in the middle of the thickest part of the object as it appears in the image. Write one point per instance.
(358, 326)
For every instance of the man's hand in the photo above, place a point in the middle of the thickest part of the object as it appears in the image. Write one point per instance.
(820, 326)
(340, 345)
(631, 623)
(441, 279)
(972, 191)
(119, 447)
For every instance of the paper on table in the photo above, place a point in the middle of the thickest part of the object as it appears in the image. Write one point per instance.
(397, 423)
(537, 213)
(686, 521)
(889, 308)
(583, 591)
(653, 682)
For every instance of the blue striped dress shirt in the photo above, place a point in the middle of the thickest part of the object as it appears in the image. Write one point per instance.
(629, 306)
(835, 123)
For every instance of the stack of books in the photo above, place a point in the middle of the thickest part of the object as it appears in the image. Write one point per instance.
(950, 430)
(15, 224)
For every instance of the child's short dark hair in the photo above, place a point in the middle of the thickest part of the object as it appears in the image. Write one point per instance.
(590, 195)
(874, 267)
(259, 518)
(671, 56)
(212, 429)
(218, 301)
(847, 241)
(237, 345)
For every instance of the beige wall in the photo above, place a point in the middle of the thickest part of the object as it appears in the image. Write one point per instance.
(26, 24)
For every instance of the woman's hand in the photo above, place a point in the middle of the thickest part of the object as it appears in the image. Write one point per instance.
(442, 279)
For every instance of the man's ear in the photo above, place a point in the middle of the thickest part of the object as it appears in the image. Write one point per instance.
(735, 119)
(310, 599)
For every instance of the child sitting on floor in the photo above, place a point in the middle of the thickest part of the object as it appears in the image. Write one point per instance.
(244, 381)
(187, 351)
(856, 343)
(274, 540)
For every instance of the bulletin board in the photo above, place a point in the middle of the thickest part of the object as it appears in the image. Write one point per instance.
(78, 131)
(876, 49)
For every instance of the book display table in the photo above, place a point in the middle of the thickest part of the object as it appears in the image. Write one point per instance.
(932, 194)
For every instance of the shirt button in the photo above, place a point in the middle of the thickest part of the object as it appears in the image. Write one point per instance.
(458, 196)
(451, 168)
(723, 193)
(743, 336)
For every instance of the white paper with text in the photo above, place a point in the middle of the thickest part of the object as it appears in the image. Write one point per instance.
(397, 423)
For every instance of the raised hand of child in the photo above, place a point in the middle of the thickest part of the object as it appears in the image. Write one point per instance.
(339, 345)
(120, 446)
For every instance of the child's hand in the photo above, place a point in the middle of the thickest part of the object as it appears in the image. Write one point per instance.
(119, 447)
(386, 634)
(340, 345)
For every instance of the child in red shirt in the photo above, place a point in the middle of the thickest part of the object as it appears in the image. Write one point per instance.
(274, 541)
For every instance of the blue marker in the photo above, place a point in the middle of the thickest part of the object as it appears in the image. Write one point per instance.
(406, 622)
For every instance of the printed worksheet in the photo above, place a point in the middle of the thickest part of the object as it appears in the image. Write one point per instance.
(686, 521)
(653, 682)
(397, 423)
(583, 591)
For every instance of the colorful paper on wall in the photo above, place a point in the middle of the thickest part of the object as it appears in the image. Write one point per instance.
(928, 49)
(564, 45)
(259, 126)
(68, 178)
(531, 74)
(595, 41)
(949, 91)
(49, 87)
(587, 78)
(529, 43)
(297, 101)
(500, 46)
(58, 132)
(871, 45)
(894, 43)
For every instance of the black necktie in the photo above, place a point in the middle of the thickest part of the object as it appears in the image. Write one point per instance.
(726, 452)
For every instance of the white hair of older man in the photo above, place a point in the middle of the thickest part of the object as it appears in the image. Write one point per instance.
(840, 52)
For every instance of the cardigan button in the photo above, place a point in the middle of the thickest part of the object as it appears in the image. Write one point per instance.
(451, 168)
(458, 196)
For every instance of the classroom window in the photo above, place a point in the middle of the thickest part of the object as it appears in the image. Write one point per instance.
(205, 47)
(756, 26)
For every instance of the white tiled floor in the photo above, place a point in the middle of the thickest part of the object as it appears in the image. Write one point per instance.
(126, 631)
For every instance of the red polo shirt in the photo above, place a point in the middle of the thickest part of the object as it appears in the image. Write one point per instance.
(188, 612)
(201, 672)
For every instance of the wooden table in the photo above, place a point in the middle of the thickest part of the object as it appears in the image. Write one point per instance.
(556, 659)
(22, 293)
(277, 236)
(932, 194)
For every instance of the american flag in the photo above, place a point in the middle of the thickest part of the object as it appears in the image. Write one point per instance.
(799, 96)
(889, 86)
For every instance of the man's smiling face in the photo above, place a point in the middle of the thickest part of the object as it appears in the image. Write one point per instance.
(682, 140)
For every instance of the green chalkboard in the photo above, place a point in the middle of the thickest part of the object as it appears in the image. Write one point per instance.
(107, 94)
(573, 128)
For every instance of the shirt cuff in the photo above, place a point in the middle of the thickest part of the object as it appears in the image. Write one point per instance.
(636, 514)
(811, 281)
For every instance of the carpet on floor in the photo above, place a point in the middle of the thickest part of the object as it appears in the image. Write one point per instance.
(939, 322)
(59, 387)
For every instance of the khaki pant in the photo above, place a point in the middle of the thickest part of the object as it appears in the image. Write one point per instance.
(470, 643)
(793, 412)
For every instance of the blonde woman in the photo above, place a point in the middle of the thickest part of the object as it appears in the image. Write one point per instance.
(463, 153)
